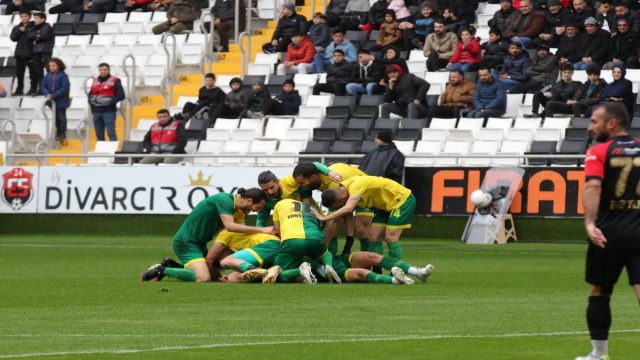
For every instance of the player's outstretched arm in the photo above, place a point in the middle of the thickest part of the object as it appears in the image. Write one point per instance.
(229, 224)
(348, 208)
(591, 201)
(215, 254)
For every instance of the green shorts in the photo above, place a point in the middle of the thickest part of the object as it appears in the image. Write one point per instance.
(364, 212)
(293, 251)
(189, 252)
(399, 218)
(341, 265)
(261, 255)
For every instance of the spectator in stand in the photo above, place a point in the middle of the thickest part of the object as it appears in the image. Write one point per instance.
(527, 25)
(24, 51)
(580, 12)
(236, 99)
(489, 99)
(299, 57)
(259, 101)
(97, 6)
(55, 86)
(335, 12)
(468, 54)
(543, 72)
(405, 94)
(561, 91)
(288, 101)
(619, 90)
(366, 73)
(569, 45)
(606, 16)
(320, 33)
(132, 5)
(624, 46)
(439, 46)
(385, 160)
(553, 30)
(3, 91)
(105, 93)
(457, 96)
(495, 50)
(514, 69)
(356, 14)
(594, 46)
(180, 17)
(389, 33)
(502, 18)
(358, 6)
(339, 73)
(584, 99)
(391, 55)
(623, 12)
(416, 30)
(375, 17)
(454, 22)
(289, 22)
(210, 98)
(223, 12)
(322, 60)
(400, 10)
(465, 10)
(22, 5)
(66, 6)
(43, 38)
(167, 136)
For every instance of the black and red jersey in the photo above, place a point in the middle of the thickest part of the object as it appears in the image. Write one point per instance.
(617, 163)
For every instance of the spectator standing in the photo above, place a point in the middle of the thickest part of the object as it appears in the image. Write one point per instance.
(385, 160)
(259, 101)
(55, 86)
(405, 94)
(458, 95)
(620, 89)
(439, 46)
(561, 91)
(586, 97)
(289, 22)
(320, 32)
(210, 97)
(367, 72)
(236, 99)
(105, 93)
(23, 52)
(514, 69)
(594, 46)
(502, 18)
(339, 73)
(223, 12)
(180, 17)
(288, 101)
(167, 136)
(489, 99)
(43, 39)
(468, 54)
(322, 60)
(299, 57)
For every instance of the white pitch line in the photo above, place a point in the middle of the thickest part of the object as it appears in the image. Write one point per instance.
(293, 342)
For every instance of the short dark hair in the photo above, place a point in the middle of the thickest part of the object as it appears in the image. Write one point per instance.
(255, 194)
(483, 67)
(25, 11)
(329, 198)
(210, 76)
(296, 33)
(104, 65)
(305, 169)
(41, 15)
(593, 70)
(440, 20)
(618, 111)
(289, 82)
(495, 31)
(566, 67)
(337, 30)
(57, 61)
(364, 51)
(163, 111)
(339, 51)
(266, 177)
(460, 72)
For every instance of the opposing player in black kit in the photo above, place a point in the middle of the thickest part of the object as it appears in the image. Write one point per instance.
(611, 217)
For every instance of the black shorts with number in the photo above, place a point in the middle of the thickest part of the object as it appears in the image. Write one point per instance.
(605, 265)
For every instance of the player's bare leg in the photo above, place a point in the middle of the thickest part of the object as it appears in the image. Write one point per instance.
(331, 228)
(363, 226)
(365, 260)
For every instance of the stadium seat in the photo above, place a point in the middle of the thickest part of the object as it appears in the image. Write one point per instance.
(429, 134)
(325, 134)
(352, 134)
(452, 148)
(511, 148)
(548, 135)
(234, 147)
(260, 148)
(541, 147)
(358, 38)
(408, 134)
(472, 124)
(367, 146)
(573, 147)
(298, 134)
(214, 134)
(337, 124)
(576, 134)
(499, 123)
(301, 123)
(89, 24)
(356, 123)
(208, 148)
(514, 102)
(338, 112)
(344, 147)
(349, 101)
(424, 148)
(406, 123)
(514, 134)
(287, 148)
(440, 123)
(254, 124)
(460, 135)
(480, 147)
(583, 123)
(315, 106)
(490, 134)
(556, 123)
(276, 128)
(317, 147)
(129, 147)
(366, 112)
(371, 100)
(103, 147)
(527, 123)
(222, 123)
(405, 146)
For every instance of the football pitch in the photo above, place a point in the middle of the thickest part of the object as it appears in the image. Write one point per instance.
(79, 297)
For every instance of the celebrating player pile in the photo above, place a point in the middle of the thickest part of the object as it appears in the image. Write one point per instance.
(298, 247)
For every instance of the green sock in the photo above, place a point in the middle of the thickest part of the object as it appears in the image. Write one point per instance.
(373, 278)
(388, 262)
(180, 274)
(288, 275)
(326, 259)
(364, 244)
(246, 266)
(333, 245)
(395, 250)
(376, 247)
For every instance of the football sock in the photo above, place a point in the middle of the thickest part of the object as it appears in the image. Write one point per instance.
(180, 274)
(395, 250)
(348, 244)
(333, 245)
(388, 262)
(599, 321)
(376, 247)
(373, 278)
(289, 275)
(364, 244)
(246, 266)
(326, 259)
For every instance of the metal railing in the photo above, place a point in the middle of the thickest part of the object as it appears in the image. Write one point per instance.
(209, 38)
(276, 11)
(170, 73)
(13, 137)
(82, 132)
(246, 53)
(45, 144)
(130, 97)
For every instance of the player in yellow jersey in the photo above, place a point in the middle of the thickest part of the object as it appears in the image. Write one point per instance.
(317, 176)
(394, 206)
(302, 235)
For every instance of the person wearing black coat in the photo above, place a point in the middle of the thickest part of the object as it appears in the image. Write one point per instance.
(366, 74)
(385, 160)
(210, 97)
(43, 38)
(554, 18)
(289, 22)
(223, 12)
(495, 50)
(624, 45)
(259, 101)
(560, 91)
(339, 73)
(569, 45)
(288, 101)
(405, 94)
(23, 52)
(594, 45)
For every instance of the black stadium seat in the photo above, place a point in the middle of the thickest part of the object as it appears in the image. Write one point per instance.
(66, 24)
(576, 134)
(371, 100)
(325, 134)
(356, 123)
(317, 147)
(413, 123)
(542, 147)
(197, 129)
(349, 101)
(580, 123)
(367, 146)
(366, 112)
(337, 112)
(391, 124)
(129, 147)
(337, 124)
(89, 24)
(352, 134)
(344, 147)
(408, 134)
(572, 147)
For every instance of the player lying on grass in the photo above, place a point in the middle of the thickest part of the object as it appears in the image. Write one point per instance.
(316, 176)
(355, 267)
(393, 205)
(209, 217)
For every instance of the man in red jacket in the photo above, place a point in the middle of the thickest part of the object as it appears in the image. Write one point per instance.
(167, 136)
(299, 56)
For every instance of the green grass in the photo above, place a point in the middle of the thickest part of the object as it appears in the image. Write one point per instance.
(79, 297)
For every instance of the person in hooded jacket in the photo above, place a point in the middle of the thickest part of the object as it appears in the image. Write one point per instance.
(236, 99)
(385, 160)
(259, 101)
(43, 38)
(366, 73)
(405, 94)
(24, 51)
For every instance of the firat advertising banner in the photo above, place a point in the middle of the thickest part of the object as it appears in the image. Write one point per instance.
(19, 189)
(544, 191)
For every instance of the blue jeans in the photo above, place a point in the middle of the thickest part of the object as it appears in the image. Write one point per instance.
(356, 89)
(525, 41)
(464, 67)
(581, 65)
(510, 84)
(102, 120)
(319, 63)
